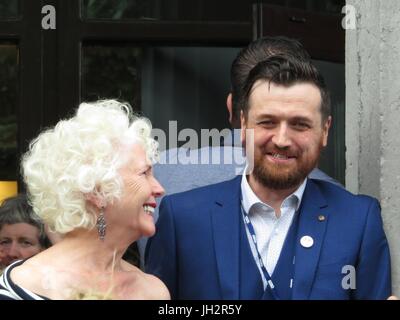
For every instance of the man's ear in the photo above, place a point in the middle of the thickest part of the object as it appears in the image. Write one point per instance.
(95, 200)
(243, 128)
(229, 107)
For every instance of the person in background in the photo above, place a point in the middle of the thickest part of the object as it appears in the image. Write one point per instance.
(22, 233)
(90, 180)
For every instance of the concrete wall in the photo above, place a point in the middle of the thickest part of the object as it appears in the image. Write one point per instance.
(373, 113)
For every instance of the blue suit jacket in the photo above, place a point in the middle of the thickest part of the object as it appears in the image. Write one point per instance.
(195, 250)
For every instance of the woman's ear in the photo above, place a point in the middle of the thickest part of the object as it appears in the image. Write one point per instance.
(95, 200)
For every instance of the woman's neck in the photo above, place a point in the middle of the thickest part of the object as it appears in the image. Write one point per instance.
(87, 251)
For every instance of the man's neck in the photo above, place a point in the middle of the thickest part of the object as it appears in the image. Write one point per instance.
(272, 197)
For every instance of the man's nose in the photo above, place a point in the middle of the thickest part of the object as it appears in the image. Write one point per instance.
(281, 137)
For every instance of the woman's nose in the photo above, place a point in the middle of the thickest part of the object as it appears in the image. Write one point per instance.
(158, 190)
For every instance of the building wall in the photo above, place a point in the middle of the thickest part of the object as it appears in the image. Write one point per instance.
(373, 113)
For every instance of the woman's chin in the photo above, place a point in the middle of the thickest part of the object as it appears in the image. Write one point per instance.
(148, 230)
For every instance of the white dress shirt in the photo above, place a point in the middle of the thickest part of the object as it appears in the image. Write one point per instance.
(270, 230)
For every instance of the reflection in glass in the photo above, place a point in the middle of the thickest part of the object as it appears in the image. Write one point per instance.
(184, 84)
(331, 6)
(171, 10)
(8, 107)
(9, 9)
(193, 10)
(111, 72)
(188, 85)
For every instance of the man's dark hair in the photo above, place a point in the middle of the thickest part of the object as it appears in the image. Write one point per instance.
(254, 53)
(286, 71)
(17, 210)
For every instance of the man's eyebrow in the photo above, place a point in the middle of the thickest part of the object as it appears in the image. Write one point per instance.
(300, 118)
(295, 118)
(266, 115)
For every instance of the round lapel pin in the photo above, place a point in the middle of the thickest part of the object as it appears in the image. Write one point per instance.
(307, 241)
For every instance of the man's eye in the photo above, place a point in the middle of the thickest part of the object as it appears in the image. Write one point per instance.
(267, 123)
(301, 125)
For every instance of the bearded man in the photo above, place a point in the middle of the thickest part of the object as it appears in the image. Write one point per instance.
(274, 233)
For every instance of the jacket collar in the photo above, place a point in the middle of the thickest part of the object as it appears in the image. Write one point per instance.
(226, 227)
(313, 219)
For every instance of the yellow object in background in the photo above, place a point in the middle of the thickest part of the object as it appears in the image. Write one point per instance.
(8, 189)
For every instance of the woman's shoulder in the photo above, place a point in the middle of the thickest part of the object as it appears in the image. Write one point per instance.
(27, 274)
(42, 277)
(11, 289)
(145, 286)
(158, 290)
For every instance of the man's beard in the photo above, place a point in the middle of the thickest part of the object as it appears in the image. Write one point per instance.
(280, 177)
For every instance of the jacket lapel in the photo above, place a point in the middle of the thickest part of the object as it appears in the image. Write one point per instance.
(310, 224)
(225, 217)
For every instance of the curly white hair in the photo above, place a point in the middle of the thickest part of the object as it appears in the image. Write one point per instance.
(81, 156)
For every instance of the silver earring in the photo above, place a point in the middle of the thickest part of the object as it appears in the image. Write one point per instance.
(101, 225)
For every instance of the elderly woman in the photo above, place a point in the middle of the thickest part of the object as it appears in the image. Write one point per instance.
(22, 234)
(90, 179)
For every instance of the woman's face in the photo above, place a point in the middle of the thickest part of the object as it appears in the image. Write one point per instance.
(136, 206)
(18, 241)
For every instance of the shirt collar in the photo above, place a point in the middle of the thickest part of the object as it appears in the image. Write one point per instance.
(249, 198)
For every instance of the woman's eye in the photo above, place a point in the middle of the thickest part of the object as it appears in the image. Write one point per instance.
(145, 173)
(26, 243)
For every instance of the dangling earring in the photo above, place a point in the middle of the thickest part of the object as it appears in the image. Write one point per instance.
(101, 224)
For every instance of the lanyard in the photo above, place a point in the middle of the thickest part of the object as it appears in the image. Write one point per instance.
(268, 278)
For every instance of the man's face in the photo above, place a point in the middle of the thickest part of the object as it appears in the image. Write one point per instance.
(288, 132)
